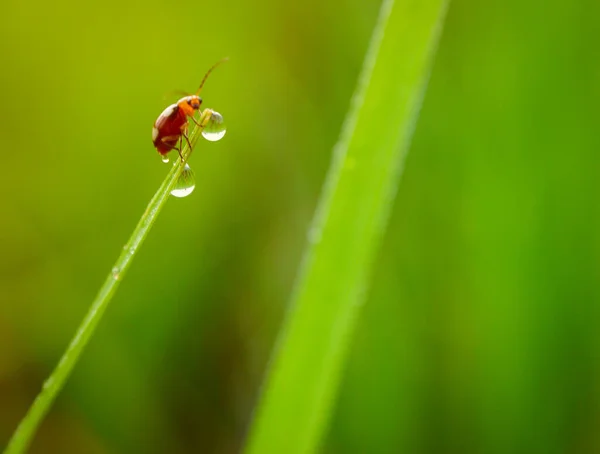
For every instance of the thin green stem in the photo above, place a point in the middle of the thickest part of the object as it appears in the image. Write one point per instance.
(24, 433)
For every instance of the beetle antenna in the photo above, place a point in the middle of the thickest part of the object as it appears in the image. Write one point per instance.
(208, 72)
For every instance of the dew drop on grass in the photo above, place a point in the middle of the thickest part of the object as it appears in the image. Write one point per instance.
(315, 234)
(215, 129)
(185, 183)
(49, 382)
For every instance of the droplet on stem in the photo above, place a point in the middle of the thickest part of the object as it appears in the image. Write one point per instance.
(215, 129)
(185, 183)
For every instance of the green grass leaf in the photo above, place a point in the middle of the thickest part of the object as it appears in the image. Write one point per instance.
(301, 388)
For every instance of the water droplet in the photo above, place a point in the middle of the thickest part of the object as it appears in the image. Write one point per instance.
(215, 129)
(185, 183)
(315, 234)
(116, 273)
(165, 158)
(48, 383)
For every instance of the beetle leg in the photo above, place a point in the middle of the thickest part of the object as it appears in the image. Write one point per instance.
(205, 117)
(169, 140)
(187, 139)
(194, 120)
(180, 148)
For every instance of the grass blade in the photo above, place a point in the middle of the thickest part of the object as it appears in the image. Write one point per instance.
(352, 214)
(25, 432)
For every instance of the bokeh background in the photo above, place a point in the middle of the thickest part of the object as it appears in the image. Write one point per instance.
(481, 331)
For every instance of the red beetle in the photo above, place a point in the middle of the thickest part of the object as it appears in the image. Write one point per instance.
(171, 125)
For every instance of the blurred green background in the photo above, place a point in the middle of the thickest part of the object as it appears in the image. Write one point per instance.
(480, 334)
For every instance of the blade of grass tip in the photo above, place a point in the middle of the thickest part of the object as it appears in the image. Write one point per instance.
(25, 432)
(300, 390)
